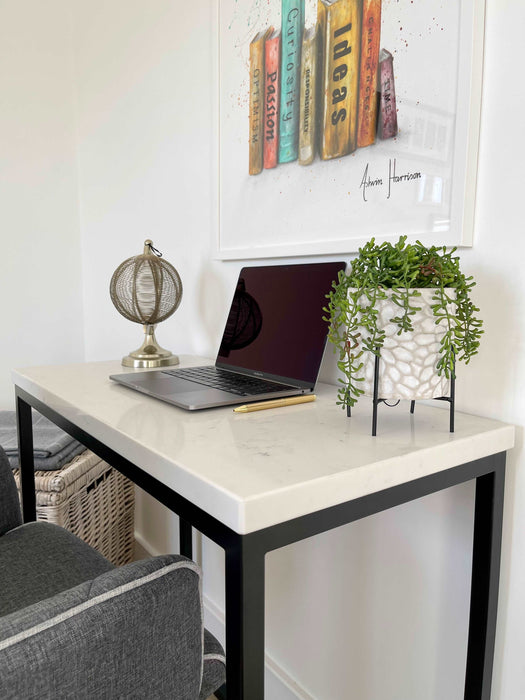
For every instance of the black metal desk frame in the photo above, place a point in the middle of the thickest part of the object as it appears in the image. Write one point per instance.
(245, 554)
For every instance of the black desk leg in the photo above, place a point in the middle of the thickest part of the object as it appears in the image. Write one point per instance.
(27, 465)
(244, 619)
(488, 517)
(185, 539)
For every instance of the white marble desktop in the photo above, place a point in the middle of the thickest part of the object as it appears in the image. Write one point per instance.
(257, 469)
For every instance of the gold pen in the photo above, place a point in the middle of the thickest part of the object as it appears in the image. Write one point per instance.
(275, 403)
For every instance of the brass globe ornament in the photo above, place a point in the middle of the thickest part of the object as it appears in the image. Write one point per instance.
(147, 289)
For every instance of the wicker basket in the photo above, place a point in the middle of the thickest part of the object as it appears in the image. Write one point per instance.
(93, 501)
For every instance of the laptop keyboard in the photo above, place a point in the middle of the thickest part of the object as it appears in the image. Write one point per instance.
(227, 381)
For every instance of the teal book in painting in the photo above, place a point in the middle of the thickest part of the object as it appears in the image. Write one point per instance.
(292, 27)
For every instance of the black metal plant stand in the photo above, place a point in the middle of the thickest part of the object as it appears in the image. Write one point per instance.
(376, 400)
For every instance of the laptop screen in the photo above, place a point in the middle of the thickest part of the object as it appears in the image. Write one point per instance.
(275, 327)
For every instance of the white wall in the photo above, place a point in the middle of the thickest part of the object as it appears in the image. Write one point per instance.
(145, 146)
(348, 609)
(494, 385)
(40, 281)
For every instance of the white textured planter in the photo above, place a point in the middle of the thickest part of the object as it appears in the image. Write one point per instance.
(407, 368)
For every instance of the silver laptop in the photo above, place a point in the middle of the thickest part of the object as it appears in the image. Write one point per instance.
(272, 345)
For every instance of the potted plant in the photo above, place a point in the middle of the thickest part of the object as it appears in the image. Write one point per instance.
(410, 305)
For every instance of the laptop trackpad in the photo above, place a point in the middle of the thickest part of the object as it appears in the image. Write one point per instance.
(165, 385)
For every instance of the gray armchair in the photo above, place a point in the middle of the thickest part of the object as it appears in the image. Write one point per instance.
(74, 626)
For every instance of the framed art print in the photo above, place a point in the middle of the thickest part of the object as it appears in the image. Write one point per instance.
(340, 120)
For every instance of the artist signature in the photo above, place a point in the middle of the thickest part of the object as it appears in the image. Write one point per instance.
(393, 179)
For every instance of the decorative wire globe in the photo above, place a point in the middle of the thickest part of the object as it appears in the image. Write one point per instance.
(146, 289)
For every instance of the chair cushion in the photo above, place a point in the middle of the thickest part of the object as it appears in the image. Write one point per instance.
(39, 560)
(134, 632)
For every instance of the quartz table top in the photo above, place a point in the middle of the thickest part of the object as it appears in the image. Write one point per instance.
(254, 470)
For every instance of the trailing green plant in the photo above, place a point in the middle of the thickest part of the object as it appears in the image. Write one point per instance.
(404, 268)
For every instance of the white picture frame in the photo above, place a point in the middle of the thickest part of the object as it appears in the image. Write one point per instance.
(326, 208)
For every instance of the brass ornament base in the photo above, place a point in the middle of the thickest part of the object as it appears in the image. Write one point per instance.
(150, 354)
(147, 363)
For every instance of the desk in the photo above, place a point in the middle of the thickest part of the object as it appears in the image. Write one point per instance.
(256, 482)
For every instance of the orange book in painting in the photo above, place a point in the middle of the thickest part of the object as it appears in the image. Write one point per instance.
(256, 115)
(370, 39)
(272, 54)
(340, 29)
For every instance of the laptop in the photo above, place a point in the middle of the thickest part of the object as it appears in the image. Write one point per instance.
(271, 347)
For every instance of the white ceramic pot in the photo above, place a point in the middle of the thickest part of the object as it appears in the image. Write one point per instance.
(407, 368)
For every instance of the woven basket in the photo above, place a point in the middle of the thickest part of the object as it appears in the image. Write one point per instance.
(93, 501)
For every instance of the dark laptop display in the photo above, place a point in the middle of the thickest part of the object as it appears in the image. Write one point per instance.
(275, 327)
(274, 332)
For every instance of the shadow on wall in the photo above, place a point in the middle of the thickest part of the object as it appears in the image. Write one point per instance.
(490, 384)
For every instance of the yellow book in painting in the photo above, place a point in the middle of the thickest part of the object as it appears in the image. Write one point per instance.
(340, 28)
(256, 120)
(307, 114)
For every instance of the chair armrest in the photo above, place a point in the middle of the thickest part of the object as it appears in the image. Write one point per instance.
(10, 515)
(133, 632)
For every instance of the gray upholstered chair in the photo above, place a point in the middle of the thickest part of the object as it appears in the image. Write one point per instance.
(74, 626)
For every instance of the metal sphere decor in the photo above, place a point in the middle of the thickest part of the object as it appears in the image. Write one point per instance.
(147, 289)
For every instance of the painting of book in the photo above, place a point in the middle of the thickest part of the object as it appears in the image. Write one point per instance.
(337, 86)
(341, 120)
